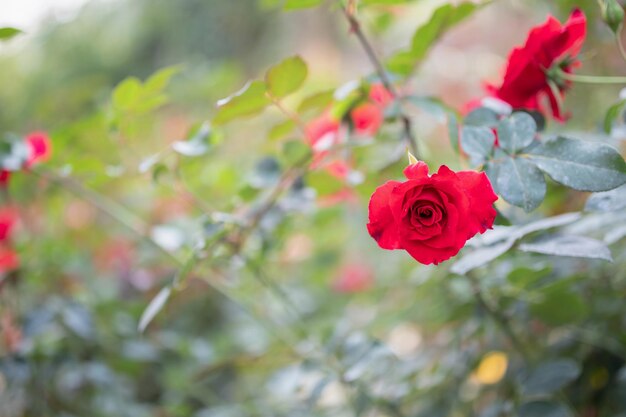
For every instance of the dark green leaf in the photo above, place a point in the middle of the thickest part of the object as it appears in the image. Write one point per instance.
(295, 151)
(581, 165)
(576, 246)
(543, 409)
(481, 116)
(516, 132)
(558, 306)
(551, 376)
(286, 77)
(523, 277)
(521, 183)
(249, 101)
(477, 142)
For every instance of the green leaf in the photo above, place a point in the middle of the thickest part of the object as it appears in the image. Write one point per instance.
(160, 79)
(249, 101)
(516, 132)
(323, 182)
(425, 36)
(286, 77)
(606, 201)
(127, 93)
(575, 246)
(282, 129)
(477, 142)
(316, 101)
(481, 116)
(295, 151)
(543, 409)
(523, 277)
(155, 306)
(301, 4)
(7, 33)
(551, 376)
(521, 183)
(581, 165)
(558, 306)
(613, 113)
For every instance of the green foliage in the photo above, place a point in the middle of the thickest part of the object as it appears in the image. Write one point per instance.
(7, 33)
(443, 18)
(286, 77)
(249, 101)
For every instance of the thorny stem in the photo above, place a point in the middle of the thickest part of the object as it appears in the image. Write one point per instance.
(355, 27)
(500, 319)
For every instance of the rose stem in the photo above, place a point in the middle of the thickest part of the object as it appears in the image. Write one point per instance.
(355, 27)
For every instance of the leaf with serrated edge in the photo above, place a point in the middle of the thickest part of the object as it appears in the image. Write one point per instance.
(581, 165)
(516, 132)
(521, 183)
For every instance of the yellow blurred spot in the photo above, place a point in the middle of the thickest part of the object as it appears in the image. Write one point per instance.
(599, 378)
(492, 368)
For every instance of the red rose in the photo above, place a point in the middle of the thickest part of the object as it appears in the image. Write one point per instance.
(353, 278)
(8, 219)
(380, 95)
(40, 148)
(431, 217)
(551, 44)
(367, 118)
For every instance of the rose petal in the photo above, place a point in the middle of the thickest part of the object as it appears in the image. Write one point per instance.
(381, 224)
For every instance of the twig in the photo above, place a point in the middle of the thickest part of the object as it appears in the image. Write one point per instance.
(355, 27)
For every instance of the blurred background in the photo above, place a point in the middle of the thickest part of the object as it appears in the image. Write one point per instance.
(69, 342)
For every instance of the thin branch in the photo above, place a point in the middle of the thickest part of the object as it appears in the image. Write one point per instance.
(355, 27)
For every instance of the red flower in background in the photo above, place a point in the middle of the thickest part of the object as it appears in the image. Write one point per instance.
(40, 148)
(9, 260)
(380, 95)
(352, 278)
(367, 118)
(548, 46)
(431, 217)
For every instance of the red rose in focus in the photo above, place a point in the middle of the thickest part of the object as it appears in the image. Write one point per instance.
(353, 278)
(40, 148)
(367, 118)
(551, 44)
(431, 217)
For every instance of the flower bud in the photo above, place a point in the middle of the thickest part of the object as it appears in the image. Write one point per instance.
(613, 14)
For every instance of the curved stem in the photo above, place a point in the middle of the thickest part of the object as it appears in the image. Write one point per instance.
(591, 79)
(355, 27)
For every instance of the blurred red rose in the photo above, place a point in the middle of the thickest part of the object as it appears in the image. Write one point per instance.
(40, 148)
(367, 118)
(548, 46)
(8, 219)
(380, 95)
(431, 217)
(9, 260)
(353, 278)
